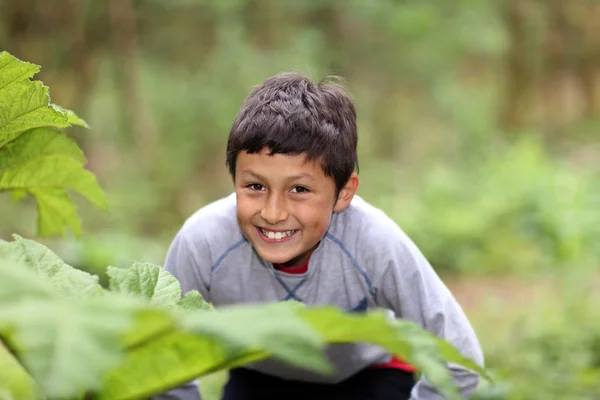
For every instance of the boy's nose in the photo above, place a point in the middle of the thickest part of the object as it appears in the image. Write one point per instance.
(274, 210)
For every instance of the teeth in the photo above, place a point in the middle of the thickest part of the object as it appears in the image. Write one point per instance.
(277, 235)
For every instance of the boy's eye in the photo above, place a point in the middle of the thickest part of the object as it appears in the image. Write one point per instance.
(255, 186)
(300, 189)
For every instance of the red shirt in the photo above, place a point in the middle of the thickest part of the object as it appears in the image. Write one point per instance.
(395, 362)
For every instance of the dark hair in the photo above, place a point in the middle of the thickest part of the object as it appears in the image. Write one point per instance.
(288, 114)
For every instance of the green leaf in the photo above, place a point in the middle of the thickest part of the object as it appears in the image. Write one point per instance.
(25, 105)
(12, 259)
(67, 346)
(274, 328)
(15, 383)
(156, 284)
(148, 280)
(402, 338)
(148, 325)
(73, 118)
(45, 163)
(18, 195)
(52, 172)
(63, 278)
(56, 211)
(12, 70)
(193, 300)
(166, 353)
(164, 363)
(204, 342)
(37, 159)
(36, 143)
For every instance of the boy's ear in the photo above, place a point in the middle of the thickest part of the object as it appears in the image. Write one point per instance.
(346, 193)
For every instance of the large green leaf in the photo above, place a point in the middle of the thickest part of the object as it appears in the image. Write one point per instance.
(167, 356)
(35, 159)
(193, 300)
(148, 280)
(66, 346)
(45, 163)
(36, 143)
(25, 105)
(56, 171)
(39, 169)
(204, 342)
(275, 328)
(62, 277)
(15, 383)
(405, 339)
(168, 361)
(123, 347)
(154, 283)
(56, 212)
(13, 70)
(72, 118)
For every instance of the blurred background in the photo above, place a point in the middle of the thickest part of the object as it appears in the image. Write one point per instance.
(478, 133)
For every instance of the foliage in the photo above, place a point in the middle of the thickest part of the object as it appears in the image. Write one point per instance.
(35, 158)
(72, 336)
(554, 353)
(541, 211)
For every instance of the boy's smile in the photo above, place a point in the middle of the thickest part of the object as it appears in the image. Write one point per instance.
(271, 236)
(285, 203)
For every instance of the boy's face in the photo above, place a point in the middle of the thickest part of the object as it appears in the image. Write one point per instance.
(284, 204)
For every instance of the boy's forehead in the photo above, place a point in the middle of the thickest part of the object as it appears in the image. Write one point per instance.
(277, 164)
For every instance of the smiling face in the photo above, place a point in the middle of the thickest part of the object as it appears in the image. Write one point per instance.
(285, 203)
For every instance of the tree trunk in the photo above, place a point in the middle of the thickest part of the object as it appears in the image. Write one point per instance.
(519, 72)
(137, 116)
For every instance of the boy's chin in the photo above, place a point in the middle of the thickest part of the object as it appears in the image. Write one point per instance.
(278, 259)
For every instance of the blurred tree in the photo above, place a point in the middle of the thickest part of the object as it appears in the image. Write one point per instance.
(138, 118)
(520, 64)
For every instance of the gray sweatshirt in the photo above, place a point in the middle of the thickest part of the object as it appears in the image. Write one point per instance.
(364, 261)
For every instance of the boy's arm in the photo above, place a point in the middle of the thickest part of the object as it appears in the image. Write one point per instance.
(185, 261)
(412, 289)
(181, 262)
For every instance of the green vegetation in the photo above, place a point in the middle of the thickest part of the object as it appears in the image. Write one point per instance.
(141, 337)
(35, 158)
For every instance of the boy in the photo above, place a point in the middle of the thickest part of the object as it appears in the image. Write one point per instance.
(295, 229)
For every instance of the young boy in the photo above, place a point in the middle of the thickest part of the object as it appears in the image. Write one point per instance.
(295, 229)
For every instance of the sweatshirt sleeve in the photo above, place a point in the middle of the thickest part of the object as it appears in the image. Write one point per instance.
(189, 262)
(412, 289)
(181, 262)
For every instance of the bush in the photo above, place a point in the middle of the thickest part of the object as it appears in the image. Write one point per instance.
(555, 353)
(517, 211)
